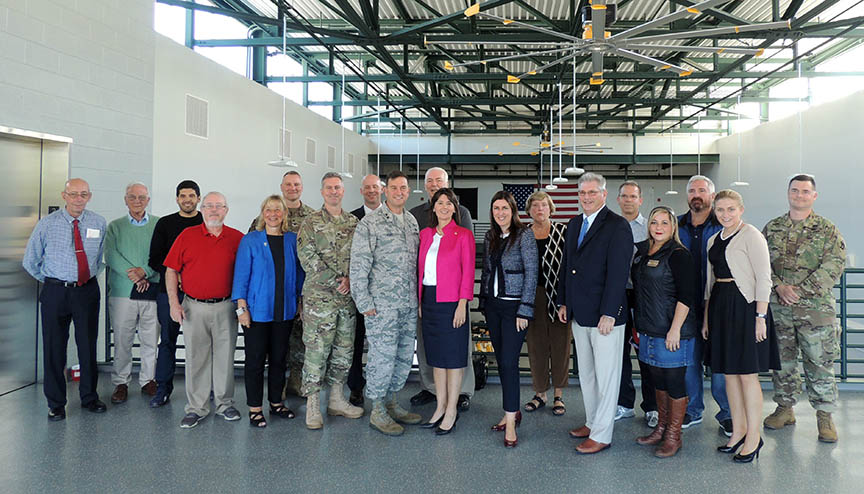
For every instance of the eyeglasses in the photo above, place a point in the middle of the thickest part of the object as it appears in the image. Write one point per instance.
(76, 195)
(589, 193)
(131, 198)
(213, 206)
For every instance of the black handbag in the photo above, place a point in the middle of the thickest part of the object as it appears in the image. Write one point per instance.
(149, 294)
(481, 371)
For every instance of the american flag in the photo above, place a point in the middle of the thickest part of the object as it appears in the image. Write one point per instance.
(566, 199)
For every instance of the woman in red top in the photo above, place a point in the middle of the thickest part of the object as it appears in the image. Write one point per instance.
(446, 279)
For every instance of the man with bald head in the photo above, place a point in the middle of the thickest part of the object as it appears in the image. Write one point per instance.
(65, 254)
(371, 189)
(204, 256)
(132, 290)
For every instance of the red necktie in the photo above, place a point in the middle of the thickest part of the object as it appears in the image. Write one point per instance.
(80, 255)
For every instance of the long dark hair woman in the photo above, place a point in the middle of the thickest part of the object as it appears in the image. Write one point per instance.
(446, 278)
(663, 277)
(507, 288)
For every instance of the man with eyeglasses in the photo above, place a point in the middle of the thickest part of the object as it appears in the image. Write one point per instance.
(808, 255)
(591, 296)
(132, 290)
(204, 257)
(64, 252)
(167, 229)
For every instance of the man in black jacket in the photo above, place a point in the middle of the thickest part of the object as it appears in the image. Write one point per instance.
(591, 295)
(371, 189)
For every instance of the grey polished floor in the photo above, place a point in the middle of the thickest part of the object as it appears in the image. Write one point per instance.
(132, 448)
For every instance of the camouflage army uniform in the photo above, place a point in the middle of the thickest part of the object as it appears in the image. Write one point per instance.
(809, 255)
(384, 278)
(295, 339)
(324, 249)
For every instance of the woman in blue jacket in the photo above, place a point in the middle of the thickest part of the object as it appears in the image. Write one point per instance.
(267, 283)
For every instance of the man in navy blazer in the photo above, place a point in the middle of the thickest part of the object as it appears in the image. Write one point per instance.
(591, 295)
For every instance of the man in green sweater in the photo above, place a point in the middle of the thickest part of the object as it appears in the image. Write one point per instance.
(132, 290)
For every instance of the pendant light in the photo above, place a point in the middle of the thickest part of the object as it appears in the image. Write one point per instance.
(341, 113)
(560, 179)
(418, 190)
(574, 170)
(671, 191)
(401, 141)
(739, 182)
(551, 185)
(282, 162)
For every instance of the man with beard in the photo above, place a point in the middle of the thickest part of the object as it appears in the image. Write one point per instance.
(371, 189)
(695, 228)
(166, 231)
(204, 256)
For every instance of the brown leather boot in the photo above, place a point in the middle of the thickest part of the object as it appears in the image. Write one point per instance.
(672, 440)
(662, 419)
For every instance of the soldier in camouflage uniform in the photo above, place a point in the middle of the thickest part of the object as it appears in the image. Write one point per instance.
(807, 258)
(384, 287)
(292, 189)
(324, 249)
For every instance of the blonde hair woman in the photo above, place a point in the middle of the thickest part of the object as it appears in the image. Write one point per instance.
(737, 322)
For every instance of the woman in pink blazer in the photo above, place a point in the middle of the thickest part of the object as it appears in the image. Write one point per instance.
(446, 284)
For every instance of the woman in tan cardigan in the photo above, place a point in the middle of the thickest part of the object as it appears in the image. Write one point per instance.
(742, 341)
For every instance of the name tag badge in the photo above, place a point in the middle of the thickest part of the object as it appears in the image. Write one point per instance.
(93, 233)
(653, 263)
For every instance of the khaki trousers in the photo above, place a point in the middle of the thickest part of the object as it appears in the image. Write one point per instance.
(127, 317)
(210, 337)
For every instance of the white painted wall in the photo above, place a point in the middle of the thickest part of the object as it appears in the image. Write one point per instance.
(830, 150)
(83, 70)
(244, 136)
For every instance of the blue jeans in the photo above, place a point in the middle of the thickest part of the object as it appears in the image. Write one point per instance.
(694, 381)
(166, 363)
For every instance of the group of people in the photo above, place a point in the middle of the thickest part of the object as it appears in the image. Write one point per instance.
(308, 286)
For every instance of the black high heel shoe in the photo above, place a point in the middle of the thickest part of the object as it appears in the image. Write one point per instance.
(440, 432)
(432, 425)
(739, 458)
(733, 448)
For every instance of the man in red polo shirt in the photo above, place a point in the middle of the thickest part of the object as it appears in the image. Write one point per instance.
(203, 256)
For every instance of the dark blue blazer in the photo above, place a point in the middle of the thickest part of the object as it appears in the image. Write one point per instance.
(593, 277)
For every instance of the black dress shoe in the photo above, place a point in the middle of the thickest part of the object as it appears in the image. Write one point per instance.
(464, 403)
(356, 398)
(422, 398)
(56, 414)
(440, 432)
(95, 406)
(432, 425)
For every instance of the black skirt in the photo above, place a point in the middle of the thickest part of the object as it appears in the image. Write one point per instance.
(732, 334)
(446, 347)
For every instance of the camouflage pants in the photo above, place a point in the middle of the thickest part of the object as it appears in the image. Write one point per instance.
(296, 349)
(328, 333)
(816, 336)
(390, 334)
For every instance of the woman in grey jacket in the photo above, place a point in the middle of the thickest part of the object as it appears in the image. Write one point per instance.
(507, 288)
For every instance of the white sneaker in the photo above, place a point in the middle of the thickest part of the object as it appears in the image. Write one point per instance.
(624, 413)
(652, 418)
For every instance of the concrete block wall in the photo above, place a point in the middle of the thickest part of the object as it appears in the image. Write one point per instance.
(83, 69)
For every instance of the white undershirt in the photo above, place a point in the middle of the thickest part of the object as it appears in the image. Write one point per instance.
(495, 282)
(430, 268)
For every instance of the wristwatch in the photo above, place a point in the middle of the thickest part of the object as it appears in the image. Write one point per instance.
(240, 310)
(761, 315)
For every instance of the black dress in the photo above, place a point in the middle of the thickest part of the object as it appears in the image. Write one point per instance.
(732, 324)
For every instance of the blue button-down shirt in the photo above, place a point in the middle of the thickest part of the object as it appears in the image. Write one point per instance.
(144, 220)
(51, 248)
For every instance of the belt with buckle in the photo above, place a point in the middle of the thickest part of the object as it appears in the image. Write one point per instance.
(208, 300)
(67, 284)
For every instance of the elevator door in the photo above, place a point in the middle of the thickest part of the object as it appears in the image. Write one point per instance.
(28, 166)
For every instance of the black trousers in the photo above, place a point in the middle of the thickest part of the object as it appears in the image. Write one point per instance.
(265, 342)
(507, 343)
(61, 306)
(356, 381)
(627, 392)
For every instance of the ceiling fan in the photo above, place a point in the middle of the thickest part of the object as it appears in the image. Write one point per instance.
(598, 42)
